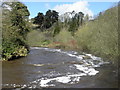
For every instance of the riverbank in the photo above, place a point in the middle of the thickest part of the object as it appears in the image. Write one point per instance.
(54, 68)
(98, 37)
(66, 48)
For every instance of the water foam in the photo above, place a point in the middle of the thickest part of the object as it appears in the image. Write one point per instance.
(68, 79)
(87, 68)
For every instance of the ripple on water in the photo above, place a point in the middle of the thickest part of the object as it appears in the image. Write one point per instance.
(87, 67)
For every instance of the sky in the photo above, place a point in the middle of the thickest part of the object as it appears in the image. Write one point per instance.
(90, 8)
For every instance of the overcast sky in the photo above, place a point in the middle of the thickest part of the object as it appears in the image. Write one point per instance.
(91, 8)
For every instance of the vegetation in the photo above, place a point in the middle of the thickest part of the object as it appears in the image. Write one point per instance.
(101, 35)
(43, 40)
(46, 21)
(75, 22)
(15, 28)
(98, 36)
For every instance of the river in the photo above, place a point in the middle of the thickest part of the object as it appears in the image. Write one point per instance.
(55, 68)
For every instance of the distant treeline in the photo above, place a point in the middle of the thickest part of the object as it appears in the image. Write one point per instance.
(47, 20)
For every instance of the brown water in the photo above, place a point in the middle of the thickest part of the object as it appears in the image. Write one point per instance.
(45, 67)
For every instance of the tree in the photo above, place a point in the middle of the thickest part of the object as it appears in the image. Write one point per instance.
(80, 17)
(56, 28)
(75, 22)
(86, 18)
(50, 18)
(15, 28)
(39, 19)
(73, 25)
(47, 20)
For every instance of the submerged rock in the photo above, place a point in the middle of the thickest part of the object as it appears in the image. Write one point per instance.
(75, 62)
(86, 57)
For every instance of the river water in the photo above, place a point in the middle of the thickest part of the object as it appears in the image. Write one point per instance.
(54, 68)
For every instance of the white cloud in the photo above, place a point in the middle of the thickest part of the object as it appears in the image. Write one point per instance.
(81, 6)
(7, 7)
(47, 6)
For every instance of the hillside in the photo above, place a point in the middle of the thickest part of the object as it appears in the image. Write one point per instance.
(98, 36)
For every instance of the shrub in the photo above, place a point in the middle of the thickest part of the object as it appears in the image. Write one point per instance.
(64, 36)
(36, 38)
(101, 36)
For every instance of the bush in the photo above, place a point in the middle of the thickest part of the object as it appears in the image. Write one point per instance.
(65, 40)
(11, 50)
(101, 36)
(36, 38)
(64, 36)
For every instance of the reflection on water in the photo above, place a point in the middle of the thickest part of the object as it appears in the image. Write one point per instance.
(45, 67)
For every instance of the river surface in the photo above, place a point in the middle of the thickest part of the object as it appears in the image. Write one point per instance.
(54, 68)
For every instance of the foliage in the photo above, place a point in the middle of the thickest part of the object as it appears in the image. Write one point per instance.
(73, 26)
(101, 36)
(50, 18)
(15, 28)
(37, 38)
(98, 36)
(39, 19)
(65, 40)
(47, 20)
(64, 36)
(57, 28)
(75, 22)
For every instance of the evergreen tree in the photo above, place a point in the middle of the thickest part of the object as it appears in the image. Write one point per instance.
(47, 20)
(50, 18)
(39, 19)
